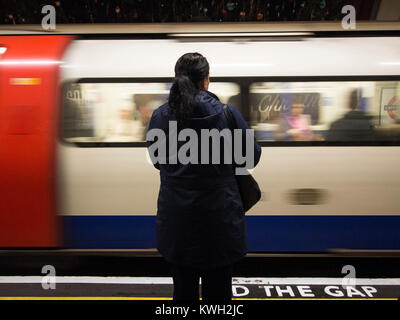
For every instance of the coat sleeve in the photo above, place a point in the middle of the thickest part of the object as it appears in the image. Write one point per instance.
(242, 124)
(153, 124)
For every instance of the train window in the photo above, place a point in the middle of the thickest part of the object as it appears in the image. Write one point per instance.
(227, 92)
(325, 111)
(119, 112)
(110, 112)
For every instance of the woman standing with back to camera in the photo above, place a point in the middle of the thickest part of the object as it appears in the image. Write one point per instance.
(200, 224)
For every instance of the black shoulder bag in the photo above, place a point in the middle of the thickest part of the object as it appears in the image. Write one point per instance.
(248, 187)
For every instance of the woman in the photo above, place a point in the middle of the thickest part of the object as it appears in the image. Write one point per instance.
(296, 126)
(200, 223)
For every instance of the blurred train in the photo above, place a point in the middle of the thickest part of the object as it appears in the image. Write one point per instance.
(74, 104)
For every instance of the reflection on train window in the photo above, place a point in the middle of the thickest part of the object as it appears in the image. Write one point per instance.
(331, 111)
(119, 112)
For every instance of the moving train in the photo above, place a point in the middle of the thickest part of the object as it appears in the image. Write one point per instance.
(75, 102)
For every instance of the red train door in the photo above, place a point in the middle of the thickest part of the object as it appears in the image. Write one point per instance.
(29, 103)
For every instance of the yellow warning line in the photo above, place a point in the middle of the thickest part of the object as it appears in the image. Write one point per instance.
(165, 298)
(315, 299)
(83, 298)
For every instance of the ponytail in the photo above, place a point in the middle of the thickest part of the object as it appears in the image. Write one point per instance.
(190, 69)
(182, 99)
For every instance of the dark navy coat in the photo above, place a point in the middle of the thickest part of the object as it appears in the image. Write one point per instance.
(200, 218)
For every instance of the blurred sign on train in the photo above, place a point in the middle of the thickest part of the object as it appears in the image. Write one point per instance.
(77, 114)
(272, 106)
(390, 106)
(73, 92)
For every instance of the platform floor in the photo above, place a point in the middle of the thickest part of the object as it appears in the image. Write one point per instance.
(152, 288)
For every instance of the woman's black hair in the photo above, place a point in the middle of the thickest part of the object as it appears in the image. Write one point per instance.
(190, 69)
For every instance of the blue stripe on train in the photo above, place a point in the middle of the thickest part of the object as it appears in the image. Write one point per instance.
(265, 233)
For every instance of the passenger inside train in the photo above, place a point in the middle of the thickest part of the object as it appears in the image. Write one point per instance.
(355, 125)
(295, 126)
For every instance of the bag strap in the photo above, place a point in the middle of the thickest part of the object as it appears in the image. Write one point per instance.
(231, 120)
(229, 117)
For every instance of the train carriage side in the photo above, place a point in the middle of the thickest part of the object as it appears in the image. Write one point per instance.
(29, 82)
(317, 195)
